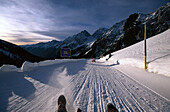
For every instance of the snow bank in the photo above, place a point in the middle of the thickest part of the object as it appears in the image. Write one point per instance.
(132, 62)
(27, 66)
(160, 68)
(9, 68)
(158, 58)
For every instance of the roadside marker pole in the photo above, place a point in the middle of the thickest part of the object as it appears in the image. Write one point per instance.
(145, 46)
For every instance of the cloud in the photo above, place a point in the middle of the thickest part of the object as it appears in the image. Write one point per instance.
(58, 19)
(22, 38)
(59, 35)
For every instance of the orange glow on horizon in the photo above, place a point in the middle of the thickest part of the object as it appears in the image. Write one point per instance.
(24, 43)
(14, 41)
(26, 39)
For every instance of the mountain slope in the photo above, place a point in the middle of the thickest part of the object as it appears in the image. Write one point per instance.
(46, 50)
(107, 41)
(98, 33)
(15, 55)
(158, 54)
(130, 31)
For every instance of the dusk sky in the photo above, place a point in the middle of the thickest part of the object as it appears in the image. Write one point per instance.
(32, 21)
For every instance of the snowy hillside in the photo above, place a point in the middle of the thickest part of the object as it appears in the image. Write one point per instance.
(158, 50)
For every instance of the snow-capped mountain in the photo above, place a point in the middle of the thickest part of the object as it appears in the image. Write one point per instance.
(77, 43)
(82, 38)
(109, 38)
(105, 41)
(98, 33)
(130, 31)
(52, 49)
(15, 55)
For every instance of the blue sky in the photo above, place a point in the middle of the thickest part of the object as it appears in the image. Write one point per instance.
(32, 21)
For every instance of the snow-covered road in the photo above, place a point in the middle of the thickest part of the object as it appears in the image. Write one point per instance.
(101, 84)
(86, 85)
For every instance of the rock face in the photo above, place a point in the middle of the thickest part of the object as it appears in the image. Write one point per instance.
(105, 41)
(15, 55)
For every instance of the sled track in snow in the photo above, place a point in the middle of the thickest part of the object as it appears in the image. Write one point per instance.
(86, 85)
(98, 85)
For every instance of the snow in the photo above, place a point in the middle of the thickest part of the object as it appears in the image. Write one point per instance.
(158, 83)
(158, 58)
(86, 85)
(8, 68)
(122, 81)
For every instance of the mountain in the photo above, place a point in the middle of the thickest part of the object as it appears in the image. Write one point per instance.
(46, 50)
(130, 31)
(52, 49)
(77, 43)
(107, 41)
(15, 55)
(104, 41)
(98, 33)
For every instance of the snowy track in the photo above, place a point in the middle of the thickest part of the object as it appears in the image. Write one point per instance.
(101, 84)
(86, 85)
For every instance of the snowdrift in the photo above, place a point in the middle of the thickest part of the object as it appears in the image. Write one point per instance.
(158, 58)
(9, 68)
(27, 66)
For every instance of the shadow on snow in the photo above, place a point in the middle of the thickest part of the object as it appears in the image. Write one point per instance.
(14, 82)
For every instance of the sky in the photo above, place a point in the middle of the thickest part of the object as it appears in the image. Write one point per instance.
(32, 21)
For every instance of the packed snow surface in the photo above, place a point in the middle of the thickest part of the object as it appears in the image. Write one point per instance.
(86, 85)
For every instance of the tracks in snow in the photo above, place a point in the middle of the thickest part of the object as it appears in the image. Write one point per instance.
(89, 87)
(98, 85)
(39, 101)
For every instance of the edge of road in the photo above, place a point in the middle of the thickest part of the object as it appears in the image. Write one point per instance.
(125, 72)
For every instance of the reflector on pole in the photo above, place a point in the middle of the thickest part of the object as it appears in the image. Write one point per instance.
(145, 46)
